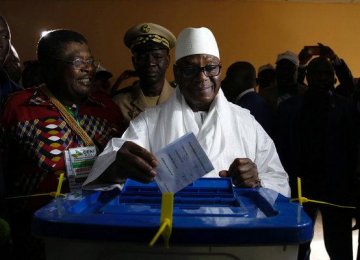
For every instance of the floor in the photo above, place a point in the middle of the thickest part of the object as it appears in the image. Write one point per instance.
(318, 251)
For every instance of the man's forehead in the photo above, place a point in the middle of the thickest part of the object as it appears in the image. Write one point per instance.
(75, 48)
(197, 58)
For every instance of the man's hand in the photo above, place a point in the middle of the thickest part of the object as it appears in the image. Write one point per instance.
(243, 172)
(135, 162)
(327, 52)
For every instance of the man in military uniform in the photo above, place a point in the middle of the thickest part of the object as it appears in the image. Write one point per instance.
(150, 45)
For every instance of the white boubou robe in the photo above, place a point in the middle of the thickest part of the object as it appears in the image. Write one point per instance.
(228, 132)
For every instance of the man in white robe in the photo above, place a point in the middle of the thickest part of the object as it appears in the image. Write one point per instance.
(234, 141)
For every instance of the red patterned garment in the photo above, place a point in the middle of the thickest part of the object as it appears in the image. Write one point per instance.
(35, 136)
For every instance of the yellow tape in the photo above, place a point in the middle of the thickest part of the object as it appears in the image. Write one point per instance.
(299, 190)
(166, 219)
(52, 194)
(302, 199)
(61, 179)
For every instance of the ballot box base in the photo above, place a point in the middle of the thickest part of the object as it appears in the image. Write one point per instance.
(60, 249)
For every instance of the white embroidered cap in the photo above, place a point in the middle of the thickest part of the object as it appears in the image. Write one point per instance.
(196, 41)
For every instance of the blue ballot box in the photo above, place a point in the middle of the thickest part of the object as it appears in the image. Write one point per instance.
(211, 220)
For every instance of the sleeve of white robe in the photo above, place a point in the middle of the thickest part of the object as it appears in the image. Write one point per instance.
(136, 133)
(271, 171)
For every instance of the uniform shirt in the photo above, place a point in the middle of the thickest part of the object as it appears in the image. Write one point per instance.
(35, 137)
(132, 100)
(227, 132)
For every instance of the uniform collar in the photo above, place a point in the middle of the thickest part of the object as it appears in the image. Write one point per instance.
(139, 98)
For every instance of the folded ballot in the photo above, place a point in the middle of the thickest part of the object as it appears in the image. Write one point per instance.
(181, 163)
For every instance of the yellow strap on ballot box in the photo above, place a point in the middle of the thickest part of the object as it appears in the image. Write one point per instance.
(302, 199)
(55, 194)
(166, 219)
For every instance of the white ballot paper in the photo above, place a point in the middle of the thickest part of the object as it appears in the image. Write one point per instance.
(181, 163)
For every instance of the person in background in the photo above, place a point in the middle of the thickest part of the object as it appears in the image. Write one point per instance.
(40, 124)
(266, 77)
(123, 78)
(320, 147)
(231, 91)
(286, 69)
(284, 137)
(102, 82)
(13, 65)
(31, 75)
(150, 45)
(345, 78)
(7, 85)
(287, 85)
(234, 141)
(286, 89)
(355, 99)
(241, 78)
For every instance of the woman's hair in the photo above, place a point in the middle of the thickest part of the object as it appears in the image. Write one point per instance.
(51, 46)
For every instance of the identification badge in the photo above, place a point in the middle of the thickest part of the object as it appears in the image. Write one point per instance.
(79, 162)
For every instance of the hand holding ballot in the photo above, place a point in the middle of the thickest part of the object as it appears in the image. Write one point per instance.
(173, 167)
(176, 165)
(137, 162)
(132, 161)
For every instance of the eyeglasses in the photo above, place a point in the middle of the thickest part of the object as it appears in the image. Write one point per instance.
(208, 70)
(80, 63)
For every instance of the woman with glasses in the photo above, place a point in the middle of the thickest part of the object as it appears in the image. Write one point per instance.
(235, 143)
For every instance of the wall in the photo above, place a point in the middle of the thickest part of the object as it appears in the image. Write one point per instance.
(251, 31)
